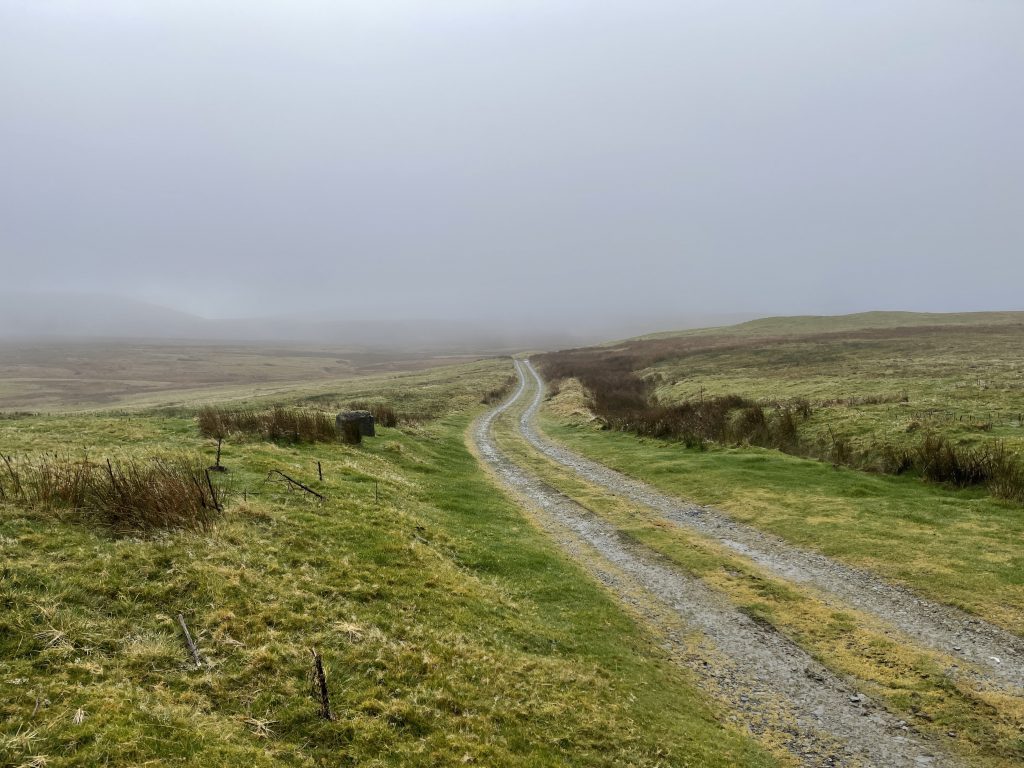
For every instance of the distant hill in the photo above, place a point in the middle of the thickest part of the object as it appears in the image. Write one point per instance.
(71, 315)
(804, 324)
(85, 316)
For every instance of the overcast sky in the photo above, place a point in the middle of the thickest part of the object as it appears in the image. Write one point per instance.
(453, 158)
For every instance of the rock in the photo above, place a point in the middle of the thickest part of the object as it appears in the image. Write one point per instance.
(364, 419)
(814, 675)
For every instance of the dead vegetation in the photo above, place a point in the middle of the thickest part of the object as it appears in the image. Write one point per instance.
(939, 460)
(280, 424)
(126, 495)
(625, 402)
(383, 414)
(499, 393)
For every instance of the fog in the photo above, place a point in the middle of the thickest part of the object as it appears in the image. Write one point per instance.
(584, 167)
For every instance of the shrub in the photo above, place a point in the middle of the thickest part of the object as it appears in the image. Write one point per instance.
(992, 464)
(785, 431)
(841, 452)
(750, 425)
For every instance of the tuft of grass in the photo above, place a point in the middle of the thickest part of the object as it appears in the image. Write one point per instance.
(126, 496)
(295, 425)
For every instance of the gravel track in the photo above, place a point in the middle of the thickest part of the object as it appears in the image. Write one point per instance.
(997, 655)
(771, 685)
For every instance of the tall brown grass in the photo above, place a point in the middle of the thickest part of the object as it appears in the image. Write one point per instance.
(383, 414)
(500, 392)
(127, 495)
(294, 425)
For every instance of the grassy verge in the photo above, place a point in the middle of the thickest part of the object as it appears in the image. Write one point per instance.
(956, 547)
(986, 727)
(452, 631)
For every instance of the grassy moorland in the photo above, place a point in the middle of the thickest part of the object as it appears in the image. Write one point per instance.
(43, 376)
(892, 382)
(809, 324)
(451, 630)
(963, 382)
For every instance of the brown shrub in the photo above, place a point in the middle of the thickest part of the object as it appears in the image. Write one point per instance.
(129, 495)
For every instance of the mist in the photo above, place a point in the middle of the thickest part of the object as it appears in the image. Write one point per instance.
(579, 168)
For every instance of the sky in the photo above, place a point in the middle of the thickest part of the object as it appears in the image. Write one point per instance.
(550, 160)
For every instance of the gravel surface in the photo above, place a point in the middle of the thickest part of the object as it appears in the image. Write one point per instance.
(997, 655)
(770, 685)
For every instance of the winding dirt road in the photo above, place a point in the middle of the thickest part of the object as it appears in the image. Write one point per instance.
(772, 686)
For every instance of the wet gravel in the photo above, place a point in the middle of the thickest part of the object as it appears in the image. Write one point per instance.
(771, 686)
(997, 655)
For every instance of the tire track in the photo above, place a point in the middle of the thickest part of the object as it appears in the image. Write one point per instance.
(773, 686)
(996, 654)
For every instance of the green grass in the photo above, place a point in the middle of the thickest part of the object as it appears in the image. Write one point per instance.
(453, 632)
(957, 547)
(910, 680)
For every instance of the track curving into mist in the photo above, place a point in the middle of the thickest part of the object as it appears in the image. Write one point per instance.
(774, 687)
